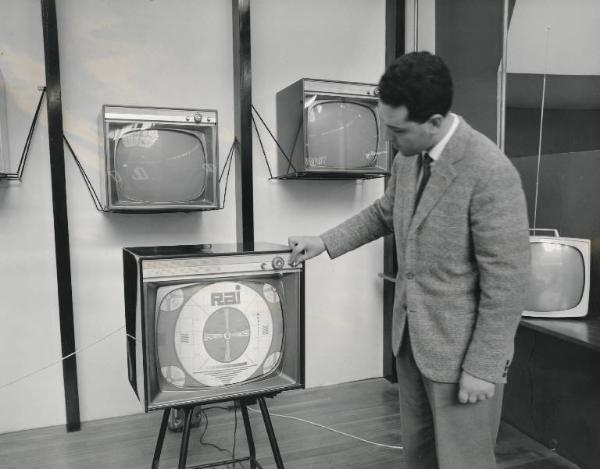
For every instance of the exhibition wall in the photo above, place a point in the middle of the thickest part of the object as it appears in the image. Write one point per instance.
(30, 331)
(171, 54)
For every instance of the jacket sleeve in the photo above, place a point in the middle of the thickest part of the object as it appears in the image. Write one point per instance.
(371, 223)
(501, 244)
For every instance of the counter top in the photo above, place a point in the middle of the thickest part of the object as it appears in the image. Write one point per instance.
(582, 331)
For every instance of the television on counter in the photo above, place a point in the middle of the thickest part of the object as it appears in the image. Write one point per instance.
(210, 323)
(331, 129)
(160, 159)
(560, 277)
(4, 155)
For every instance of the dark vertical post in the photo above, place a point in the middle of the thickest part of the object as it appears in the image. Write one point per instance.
(59, 205)
(395, 17)
(468, 37)
(243, 120)
(394, 46)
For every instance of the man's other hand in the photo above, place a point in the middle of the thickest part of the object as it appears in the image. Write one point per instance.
(472, 389)
(304, 248)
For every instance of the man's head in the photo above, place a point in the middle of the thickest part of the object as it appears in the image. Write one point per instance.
(415, 95)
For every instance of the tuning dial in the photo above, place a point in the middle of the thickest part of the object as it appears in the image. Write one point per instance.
(278, 262)
(198, 117)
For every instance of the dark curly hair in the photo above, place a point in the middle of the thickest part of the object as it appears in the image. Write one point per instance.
(420, 81)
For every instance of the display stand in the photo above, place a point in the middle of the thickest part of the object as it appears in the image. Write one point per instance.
(185, 436)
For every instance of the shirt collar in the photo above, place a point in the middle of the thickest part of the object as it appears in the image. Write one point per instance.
(436, 151)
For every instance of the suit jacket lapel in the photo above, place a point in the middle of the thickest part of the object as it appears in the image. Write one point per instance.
(442, 175)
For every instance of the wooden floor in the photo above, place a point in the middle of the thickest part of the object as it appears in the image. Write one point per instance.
(367, 409)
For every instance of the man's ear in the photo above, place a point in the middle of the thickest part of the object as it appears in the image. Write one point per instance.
(436, 122)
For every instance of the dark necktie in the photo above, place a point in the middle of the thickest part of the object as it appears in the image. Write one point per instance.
(425, 170)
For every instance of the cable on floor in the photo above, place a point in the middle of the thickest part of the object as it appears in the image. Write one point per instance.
(331, 430)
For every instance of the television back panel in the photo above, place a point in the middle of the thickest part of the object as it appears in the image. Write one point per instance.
(210, 323)
(4, 154)
(330, 129)
(560, 277)
(160, 159)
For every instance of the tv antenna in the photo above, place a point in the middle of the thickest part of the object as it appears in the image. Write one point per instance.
(539, 155)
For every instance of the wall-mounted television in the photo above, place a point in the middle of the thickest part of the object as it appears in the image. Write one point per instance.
(560, 277)
(4, 155)
(160, 159)
(211, 323)
(330, 129)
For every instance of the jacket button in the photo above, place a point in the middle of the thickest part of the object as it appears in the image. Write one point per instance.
(410, 275)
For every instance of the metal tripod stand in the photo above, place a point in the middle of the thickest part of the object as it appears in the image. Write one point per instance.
(185, 436)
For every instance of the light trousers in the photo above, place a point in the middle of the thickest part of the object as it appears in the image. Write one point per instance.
(438, 432)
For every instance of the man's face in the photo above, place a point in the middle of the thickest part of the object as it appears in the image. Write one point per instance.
(409, 137)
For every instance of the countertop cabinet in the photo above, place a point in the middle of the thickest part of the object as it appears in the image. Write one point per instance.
(553, 389)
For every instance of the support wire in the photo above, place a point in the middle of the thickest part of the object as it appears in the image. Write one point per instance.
(16, 176)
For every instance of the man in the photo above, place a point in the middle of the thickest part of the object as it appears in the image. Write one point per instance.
(456, 207)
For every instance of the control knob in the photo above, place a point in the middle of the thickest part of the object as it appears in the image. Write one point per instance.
(278, 262)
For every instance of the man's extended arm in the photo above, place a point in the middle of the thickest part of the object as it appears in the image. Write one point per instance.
(369, 224)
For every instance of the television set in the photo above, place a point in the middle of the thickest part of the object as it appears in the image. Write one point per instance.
(330, 129)
(4, 155)
(560, 277)
(212, 323)
(160, 159)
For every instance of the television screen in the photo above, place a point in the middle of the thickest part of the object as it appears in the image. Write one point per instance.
(214, 325)
(559, 284)
(160, 159)
(147, 162)
(330, 130)
(218, 333)
(342, 135)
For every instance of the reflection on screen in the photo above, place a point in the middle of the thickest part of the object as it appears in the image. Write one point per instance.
(160, 166)
(341, 135)
(558, 277)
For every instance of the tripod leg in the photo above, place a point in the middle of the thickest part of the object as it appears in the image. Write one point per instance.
(161, 438)
(185, 437)
(248, 428)
(270, 432)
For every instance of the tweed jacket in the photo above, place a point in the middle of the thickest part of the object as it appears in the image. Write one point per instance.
(463, 257)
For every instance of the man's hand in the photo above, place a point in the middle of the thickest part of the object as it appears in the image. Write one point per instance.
(304, 247)
(472, 389)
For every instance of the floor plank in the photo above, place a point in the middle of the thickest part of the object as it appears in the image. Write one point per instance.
(367, 409)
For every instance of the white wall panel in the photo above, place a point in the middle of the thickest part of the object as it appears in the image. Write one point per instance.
(554, 37)
(29, 321)
(159, 53)
(334, 40)
(171, 54)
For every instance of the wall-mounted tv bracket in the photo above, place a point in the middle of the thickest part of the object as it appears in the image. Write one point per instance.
(16, 176)
(243, 404)
(290, 164)
(88, 183)
(233, 150)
